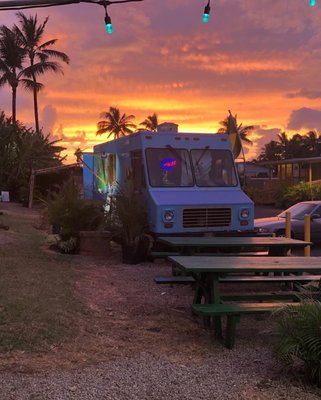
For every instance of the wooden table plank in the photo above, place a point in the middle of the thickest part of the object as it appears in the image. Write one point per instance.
(224, 242)
(224, 264)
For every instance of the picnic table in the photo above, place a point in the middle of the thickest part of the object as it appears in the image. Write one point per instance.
(207, 272)
(277, 246)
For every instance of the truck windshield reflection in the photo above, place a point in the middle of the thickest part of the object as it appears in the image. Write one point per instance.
(180, 168)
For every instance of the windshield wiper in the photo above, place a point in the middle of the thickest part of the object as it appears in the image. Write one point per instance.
(176, 153)
(202, 155)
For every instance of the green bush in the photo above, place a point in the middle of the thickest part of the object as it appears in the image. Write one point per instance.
(128, 223)
(299, 336)
(68, 213)
(301, 192)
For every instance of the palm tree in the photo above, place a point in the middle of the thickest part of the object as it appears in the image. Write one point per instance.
(242, 130)
(151, 122)
(271, 151)
(30, 34)
(312, 143)
(12, 72)
(115, 123)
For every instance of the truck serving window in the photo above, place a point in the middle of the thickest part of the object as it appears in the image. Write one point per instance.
(169, 167)
(213, 167)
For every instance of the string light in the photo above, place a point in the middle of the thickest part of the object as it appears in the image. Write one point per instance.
(207, 10)
(108, 24)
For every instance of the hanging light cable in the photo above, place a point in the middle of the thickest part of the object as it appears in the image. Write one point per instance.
(207, 10)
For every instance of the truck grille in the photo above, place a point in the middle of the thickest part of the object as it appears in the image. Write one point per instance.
(206, 217)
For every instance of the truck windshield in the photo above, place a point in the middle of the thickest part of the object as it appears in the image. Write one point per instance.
(169, 167)
(213, 167)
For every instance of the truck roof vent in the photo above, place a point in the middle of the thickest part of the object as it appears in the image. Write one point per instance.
(167, 127)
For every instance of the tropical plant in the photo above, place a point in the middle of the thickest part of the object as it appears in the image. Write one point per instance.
(301, 192)
(29, 35)
(22, 150)
(69, 213)
(299, 336)
(150, 123)
(243, 131)
(128, 224)
(115, 124)
(271, 151)
(12, 72)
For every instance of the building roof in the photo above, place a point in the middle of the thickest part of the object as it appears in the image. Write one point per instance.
(307, 160)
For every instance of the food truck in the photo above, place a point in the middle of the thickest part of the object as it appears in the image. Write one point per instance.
(188, 181)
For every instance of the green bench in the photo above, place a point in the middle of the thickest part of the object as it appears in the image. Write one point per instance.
(162, 254)
(270, 278)
(233, 313)
(165, 254)
(185, 280)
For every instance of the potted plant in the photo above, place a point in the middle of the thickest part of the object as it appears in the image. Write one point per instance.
(128, 224)
(77, 221)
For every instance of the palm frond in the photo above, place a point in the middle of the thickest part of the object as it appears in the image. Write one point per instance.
(56, 54)
(299, 335)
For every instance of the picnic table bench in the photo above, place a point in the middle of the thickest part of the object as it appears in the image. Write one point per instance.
(210, 272)
(233, 313)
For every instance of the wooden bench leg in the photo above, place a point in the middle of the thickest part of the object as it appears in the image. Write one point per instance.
(232, 320)
(218, 327)
(198, 294)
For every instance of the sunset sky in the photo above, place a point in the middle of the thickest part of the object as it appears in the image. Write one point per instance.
(260, 59)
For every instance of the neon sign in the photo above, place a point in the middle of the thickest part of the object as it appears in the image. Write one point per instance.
(168, 163)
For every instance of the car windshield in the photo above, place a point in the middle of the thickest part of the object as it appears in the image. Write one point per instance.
(169, 167)
(298, 211)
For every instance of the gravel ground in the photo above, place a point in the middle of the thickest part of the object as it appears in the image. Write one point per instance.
(228, 377)
(140, 341)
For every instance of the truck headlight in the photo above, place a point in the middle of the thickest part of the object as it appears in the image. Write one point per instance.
(168, 215)
(245, 213)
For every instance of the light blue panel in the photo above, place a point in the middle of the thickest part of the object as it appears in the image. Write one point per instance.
(88, 176)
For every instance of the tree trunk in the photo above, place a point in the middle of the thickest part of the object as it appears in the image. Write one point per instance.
(35, 106)
(14, 100)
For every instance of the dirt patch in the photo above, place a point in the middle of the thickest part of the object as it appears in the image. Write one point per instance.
(127, 313)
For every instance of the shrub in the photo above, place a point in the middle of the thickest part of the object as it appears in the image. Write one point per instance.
(299, 336)
(127, 221)
(68, 213)
(301, 192)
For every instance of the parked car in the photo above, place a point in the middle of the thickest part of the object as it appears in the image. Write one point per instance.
(276, 224)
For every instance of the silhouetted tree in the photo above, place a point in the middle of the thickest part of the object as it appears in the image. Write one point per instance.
(115, 124)
(298, 146)
(151, 122)
(30, 35)
(12, 57)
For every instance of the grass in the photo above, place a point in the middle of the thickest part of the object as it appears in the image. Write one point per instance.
(38, 304)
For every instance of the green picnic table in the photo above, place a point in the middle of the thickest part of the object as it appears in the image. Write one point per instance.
(208, 270)
(277, 246)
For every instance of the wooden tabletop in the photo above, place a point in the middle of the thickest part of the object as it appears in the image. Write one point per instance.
(243, 241)
(247, 264)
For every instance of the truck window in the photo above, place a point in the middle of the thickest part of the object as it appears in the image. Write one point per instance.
(111, 169)
(169, 167)
(138, 169)
(213, 167)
